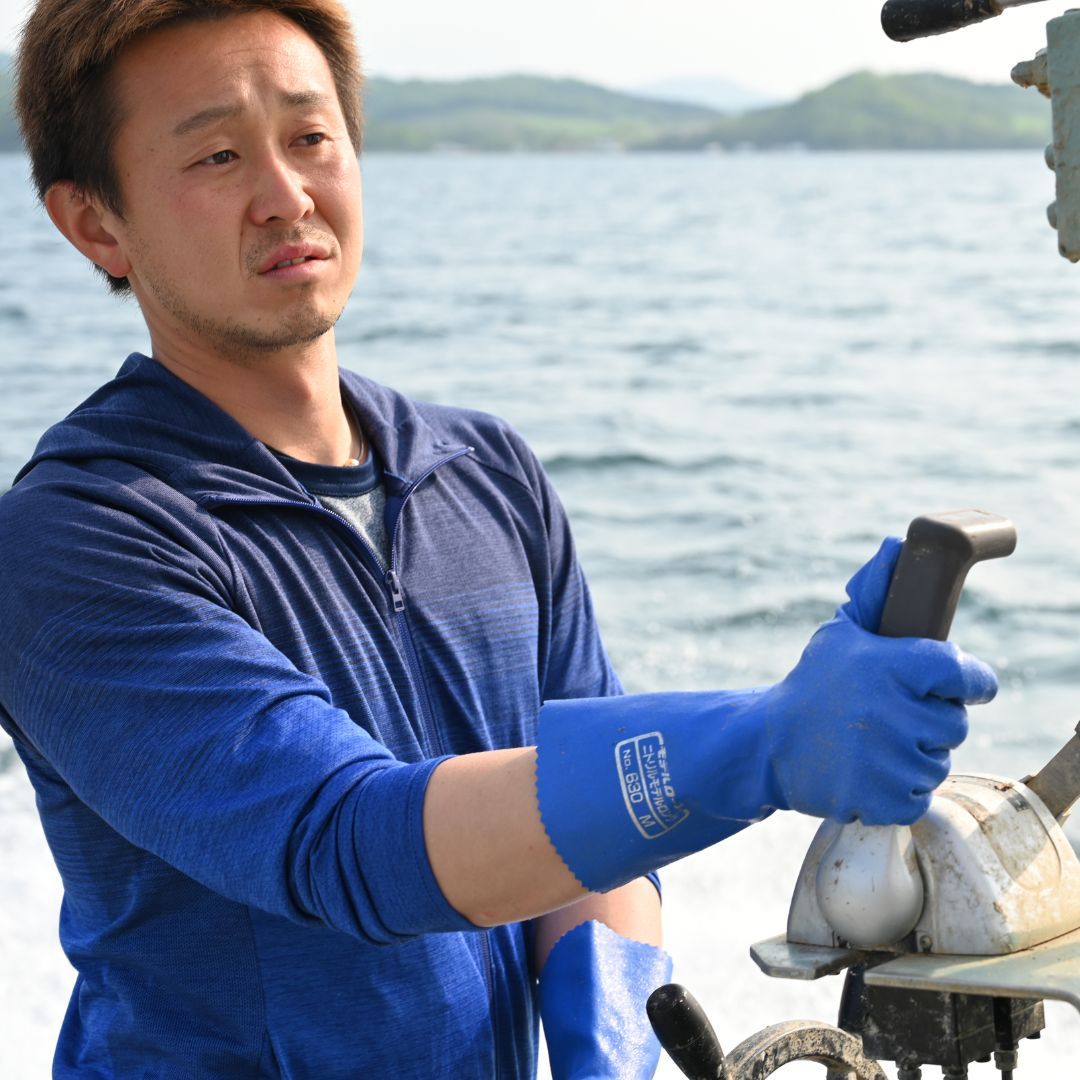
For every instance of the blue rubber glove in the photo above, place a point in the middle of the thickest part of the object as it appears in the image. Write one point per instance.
(862, 728)
(593, 991)
(902, 699)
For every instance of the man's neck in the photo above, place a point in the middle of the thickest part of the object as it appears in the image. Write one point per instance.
(289, 400)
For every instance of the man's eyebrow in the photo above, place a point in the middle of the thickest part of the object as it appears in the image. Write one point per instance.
(300, 98)
(205, 117)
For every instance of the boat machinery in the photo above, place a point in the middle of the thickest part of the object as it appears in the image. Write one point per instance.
(951, 932)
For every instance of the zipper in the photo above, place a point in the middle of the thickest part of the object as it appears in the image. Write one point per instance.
(430, 734)
(397, 597)
(463, 452)
(429, 737)
(396, 592)
(493, 1010)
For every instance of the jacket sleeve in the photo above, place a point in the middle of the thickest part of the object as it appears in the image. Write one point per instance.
(187, 732)
(577, 664)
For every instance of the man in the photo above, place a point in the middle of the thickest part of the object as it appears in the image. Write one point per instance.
(326, 745)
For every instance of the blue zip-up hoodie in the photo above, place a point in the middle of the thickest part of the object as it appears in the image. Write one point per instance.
(230, 715)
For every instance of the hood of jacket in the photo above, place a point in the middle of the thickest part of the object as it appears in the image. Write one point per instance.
(150, 418)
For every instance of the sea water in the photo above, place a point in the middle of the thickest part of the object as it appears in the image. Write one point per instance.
(740, 371)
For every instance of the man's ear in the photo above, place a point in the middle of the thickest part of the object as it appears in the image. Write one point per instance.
(86, 226)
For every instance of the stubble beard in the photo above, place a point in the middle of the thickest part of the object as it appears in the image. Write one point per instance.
(231, 339)
(247, 344)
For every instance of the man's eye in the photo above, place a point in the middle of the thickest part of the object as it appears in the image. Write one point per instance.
(222, 157)
(312, 139)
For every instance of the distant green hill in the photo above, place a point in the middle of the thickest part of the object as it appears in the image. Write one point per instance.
(530, 113)
(863, 111)
(896, 112)
(518, 112)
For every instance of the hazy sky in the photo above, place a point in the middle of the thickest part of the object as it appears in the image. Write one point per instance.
(780, 46)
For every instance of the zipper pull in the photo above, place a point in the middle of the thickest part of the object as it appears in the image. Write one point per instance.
(396, 594)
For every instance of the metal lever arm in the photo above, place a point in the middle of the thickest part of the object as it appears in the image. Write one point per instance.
(1057, 783)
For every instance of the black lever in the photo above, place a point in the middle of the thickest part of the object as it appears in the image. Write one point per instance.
(906, 20)
(685, 1033)
(937, 554)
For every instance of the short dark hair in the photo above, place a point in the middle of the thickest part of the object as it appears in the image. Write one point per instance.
(64, 103)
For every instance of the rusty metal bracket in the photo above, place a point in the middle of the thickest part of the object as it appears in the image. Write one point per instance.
(685, 1033)
(802, 1040)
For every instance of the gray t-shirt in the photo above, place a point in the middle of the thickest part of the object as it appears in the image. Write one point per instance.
(355, 492)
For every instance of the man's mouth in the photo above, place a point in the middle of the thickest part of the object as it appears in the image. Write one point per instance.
(288, 255)
(292, 262)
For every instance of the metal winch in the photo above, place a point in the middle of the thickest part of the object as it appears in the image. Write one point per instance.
(954, 931)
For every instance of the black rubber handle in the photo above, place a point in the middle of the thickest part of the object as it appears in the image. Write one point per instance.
(906, 20)
(685, 1033)
(937, 554)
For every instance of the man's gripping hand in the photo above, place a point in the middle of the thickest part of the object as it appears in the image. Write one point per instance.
(863, 726)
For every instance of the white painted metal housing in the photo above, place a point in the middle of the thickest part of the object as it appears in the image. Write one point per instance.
(998, 875)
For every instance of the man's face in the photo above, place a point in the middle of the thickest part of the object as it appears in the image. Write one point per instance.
(234, 163)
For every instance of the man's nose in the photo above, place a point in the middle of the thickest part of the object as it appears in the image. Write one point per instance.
(281, 193)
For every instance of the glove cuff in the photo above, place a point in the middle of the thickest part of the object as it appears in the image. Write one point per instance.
(628, 784)
(593, 991)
